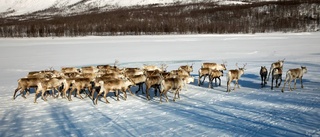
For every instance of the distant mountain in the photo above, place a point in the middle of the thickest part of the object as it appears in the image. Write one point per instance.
(66, 7)
(59, 18)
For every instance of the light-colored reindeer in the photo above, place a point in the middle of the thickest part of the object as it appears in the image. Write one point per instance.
(235, 75)
(294, 74)
(278, 64)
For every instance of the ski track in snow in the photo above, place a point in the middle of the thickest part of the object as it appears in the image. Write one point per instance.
(248, 111)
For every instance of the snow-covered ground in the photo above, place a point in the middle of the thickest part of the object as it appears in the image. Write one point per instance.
(248, 111)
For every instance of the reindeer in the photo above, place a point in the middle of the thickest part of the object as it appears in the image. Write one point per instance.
(235, 75)
(153, 81)
(278, 64)
(180, 72)
(171, 83)
(206, 69)
(114, 86)
(186, 79)
(276, 74)
(149, 73)
(79, 84)
(129, 72)
(203, 72)
(215, 65)
(25, 84)
(263, 75)
(163, 67)
(69, 69)
(53, 84)
(186, 68)
(138, 80)
(215, 74)
(89, 69)
(294, 74)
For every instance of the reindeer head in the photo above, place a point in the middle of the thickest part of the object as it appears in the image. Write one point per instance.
(243, 68)
(304, 69)
(164, 67)
(263, 69)
(224, 65)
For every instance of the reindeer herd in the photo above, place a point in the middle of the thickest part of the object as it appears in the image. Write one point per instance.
(98, 81)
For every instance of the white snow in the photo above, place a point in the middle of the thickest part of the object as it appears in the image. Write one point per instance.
(248, 111)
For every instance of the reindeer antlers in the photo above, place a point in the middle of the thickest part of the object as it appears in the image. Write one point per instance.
(224, 62)
(244, 65)
(164, 67)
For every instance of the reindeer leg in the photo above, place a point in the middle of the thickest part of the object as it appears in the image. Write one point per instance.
(22, 92)
(125, 94)
(199, 79)
(147, 93)
(78, 93)
(204, 78)
(35, 96)
(228, 86)
(28, 91)
(284, 85)
(265, 80)
(280, 81)
(160, 96)
(210, 82)
(301, 82)
(166, 96)
(156, 91)
(142, 88)
(215, 81)
(70, 93)
(42, 95)
(235, 84)
(15, 92)
(272, 79)
(105, 96)
(295, 83)
(118, 95)
(96, 100)
(269, 73)
(290, 84)
(130, 91)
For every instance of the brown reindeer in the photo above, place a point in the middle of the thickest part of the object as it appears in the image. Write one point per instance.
(278, 64)
(215, 74)
(263, 75)
(153, 81)
(276, 75)
(138, 80)
(203, 72)
(235, 75)
(294, 74)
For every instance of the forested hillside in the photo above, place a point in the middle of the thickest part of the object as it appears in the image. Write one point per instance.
(196, 18)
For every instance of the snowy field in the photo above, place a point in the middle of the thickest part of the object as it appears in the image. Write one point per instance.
(248, 111)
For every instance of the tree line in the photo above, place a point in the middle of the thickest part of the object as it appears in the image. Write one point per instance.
(196, 18)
